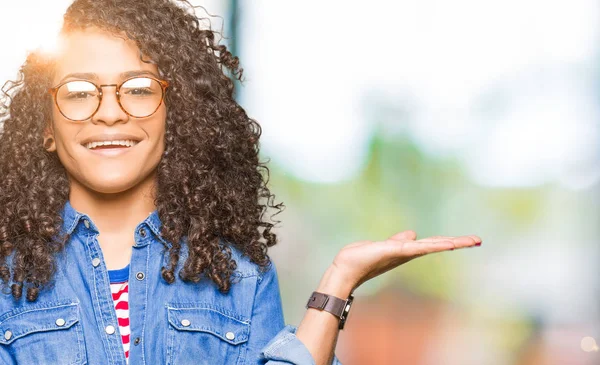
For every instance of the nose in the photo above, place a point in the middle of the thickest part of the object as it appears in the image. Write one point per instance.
(109, 111)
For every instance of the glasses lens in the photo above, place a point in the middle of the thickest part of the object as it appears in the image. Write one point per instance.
(141, 96)
(77, 100)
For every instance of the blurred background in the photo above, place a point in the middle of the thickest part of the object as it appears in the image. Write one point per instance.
(448, 118)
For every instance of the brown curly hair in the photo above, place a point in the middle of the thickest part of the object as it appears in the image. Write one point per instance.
(212, 187)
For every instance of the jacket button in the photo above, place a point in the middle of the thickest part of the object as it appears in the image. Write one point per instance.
(136, 341)
(60, 322)
(86, 223)
(140, 276)
(95, 262)
(7, 335)
(230, 335)
(142, 232)
(185, 322)
(110, 329)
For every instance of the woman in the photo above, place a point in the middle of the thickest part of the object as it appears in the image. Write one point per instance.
(133, 205)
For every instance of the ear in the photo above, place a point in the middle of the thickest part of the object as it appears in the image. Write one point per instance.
(49, 141)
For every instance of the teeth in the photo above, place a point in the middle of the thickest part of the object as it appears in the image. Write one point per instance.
(125, 143)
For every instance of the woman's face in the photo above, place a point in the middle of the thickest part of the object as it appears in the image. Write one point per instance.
(105, 59)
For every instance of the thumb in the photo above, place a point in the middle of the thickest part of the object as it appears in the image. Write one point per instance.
(405, 235)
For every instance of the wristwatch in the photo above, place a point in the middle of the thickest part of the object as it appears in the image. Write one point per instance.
(334, 305)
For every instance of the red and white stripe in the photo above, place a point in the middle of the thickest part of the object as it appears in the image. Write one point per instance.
(120, 294)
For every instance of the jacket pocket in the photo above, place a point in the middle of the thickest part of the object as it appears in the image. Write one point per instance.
(47, 333)
(205, 335)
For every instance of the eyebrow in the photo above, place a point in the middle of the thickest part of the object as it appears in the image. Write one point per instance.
(77, 75)
(93, 76)
(128, 74)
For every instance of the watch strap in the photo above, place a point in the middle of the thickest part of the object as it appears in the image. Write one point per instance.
(329, 303)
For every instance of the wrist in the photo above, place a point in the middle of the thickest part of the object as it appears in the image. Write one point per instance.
(335, 282)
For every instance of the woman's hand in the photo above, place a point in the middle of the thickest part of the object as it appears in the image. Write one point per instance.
(357, 263)
(364, 260)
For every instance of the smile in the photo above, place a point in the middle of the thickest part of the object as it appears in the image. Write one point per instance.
(110, 144)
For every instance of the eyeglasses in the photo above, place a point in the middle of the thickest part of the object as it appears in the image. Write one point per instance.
(138, 97)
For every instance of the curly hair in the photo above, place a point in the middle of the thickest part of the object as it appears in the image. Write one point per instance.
(211, 185)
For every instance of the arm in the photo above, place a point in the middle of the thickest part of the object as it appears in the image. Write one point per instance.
(268, 326)
(314, 340)
(319, 329)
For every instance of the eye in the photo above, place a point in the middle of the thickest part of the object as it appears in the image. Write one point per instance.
(79, 96)
(140, 87)
(138, 92)
(77, 91)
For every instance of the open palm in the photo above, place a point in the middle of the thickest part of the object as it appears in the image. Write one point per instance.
(364, 260)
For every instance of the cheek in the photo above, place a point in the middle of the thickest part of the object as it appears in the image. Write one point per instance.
(65, 135)
(157, 131)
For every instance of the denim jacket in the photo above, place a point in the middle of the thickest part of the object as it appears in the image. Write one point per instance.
(74, 320)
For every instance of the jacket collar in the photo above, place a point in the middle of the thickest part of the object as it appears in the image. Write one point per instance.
(71, 219)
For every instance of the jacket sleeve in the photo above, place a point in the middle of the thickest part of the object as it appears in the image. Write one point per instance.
(270, 342)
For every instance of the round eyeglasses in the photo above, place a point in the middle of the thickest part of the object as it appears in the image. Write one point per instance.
(138, 97)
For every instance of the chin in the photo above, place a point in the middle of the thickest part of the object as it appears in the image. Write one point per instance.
(111, 189)
(112, 186)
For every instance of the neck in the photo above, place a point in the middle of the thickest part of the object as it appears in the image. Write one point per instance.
(117, 212)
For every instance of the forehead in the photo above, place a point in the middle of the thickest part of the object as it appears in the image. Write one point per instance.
(98, 52)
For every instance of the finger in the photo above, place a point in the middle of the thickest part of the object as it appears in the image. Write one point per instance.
(466, 241)
(435, 239)
(415, 249)
(459, 242)
(438, 237)
(477, 239)
(405, 235)
(438, 240)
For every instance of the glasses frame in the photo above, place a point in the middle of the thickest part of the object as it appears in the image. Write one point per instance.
(163, 84)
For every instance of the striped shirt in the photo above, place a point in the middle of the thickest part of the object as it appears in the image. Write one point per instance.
(120, 293)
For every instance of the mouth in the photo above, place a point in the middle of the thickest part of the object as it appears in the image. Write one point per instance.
(104, 145)
(111, 148)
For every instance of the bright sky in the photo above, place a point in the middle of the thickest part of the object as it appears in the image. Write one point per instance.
(509, 86)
